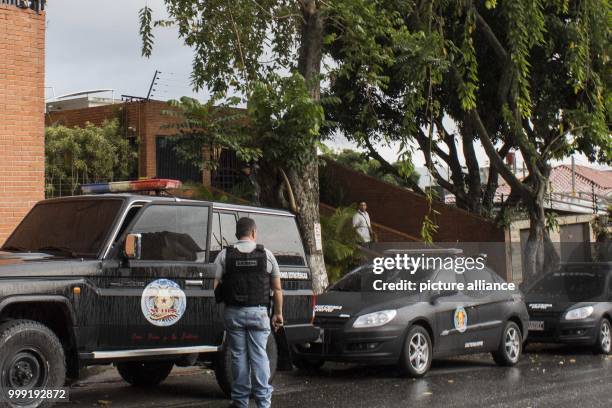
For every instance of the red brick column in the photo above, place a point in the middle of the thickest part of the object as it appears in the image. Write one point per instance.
(22, 81)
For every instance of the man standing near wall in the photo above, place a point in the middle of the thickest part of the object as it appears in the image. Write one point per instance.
(362, 224)
(247, 271)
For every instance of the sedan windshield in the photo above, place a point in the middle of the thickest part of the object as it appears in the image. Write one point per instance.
(66, 228)
(363, 278)
(577, 285)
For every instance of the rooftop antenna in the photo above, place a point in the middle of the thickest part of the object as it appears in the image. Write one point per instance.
(152, 84)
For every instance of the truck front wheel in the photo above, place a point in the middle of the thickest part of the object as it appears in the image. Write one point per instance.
(32, 357)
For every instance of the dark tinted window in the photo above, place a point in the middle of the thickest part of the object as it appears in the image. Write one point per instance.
(173, 233)
(223, 232)
(215, 236)
(576, 286)
(363, 279)
(228, 228)
(78, 227)
(472, 278)
(446, 276)
(280, 235)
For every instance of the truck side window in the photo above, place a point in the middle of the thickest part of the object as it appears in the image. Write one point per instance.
(172, 233)
(216, 241)
(281, 236)
(228, 229)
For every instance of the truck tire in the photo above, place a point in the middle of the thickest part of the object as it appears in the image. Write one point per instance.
(144, 373)
(510, 346)
(223, 365)
(417, 354)
(32, 357)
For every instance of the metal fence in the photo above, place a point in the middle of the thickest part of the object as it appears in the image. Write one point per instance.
(36, 5)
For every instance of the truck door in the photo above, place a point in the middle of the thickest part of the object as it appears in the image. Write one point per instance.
(165, 298)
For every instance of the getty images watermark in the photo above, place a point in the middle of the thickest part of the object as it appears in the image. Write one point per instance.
(408, 273)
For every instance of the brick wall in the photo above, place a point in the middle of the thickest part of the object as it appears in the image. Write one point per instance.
(22, 75)
(404, 211)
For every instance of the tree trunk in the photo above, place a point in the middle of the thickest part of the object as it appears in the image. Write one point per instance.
(534, 256)
(305, 181)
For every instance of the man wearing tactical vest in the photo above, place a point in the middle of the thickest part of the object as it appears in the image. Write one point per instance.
(247, 272)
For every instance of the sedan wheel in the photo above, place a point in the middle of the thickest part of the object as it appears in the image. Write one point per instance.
(417, 355)
(604, 340)
(510, 347)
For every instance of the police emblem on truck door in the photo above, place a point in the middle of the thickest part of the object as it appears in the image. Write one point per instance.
(163, 303)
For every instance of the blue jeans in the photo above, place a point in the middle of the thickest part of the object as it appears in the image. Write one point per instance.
(248, 329)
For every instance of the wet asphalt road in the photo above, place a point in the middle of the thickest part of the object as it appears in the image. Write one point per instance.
(557, 377)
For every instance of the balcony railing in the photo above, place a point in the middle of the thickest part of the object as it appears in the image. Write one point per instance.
(36, 5)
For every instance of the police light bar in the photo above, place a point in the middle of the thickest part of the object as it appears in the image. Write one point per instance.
(130, 186)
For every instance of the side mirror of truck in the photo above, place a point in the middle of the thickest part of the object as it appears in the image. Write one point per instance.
(133, 246)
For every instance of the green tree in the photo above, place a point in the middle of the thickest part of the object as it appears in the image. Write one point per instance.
(243, 45)
(74, 156)
(515, 74)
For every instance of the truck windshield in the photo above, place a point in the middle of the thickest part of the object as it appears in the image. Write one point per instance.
(66, 228)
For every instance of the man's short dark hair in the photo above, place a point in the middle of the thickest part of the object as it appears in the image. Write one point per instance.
(244, 227)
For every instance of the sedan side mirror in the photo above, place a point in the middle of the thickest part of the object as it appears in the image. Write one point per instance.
(133, 246)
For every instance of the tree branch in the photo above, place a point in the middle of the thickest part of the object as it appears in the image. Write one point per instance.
(388, 167)
(491, 37)
(496, 160)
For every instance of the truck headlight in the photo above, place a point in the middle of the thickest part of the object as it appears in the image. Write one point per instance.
(375, 319)
(579, 313)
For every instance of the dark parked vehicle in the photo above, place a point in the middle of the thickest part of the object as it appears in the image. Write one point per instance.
(573, 305)
(410, 328)
(127, 279)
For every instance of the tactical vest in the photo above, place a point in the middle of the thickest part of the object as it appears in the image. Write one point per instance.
(246, 281)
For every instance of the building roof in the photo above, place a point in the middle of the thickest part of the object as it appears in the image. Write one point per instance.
(588, 180)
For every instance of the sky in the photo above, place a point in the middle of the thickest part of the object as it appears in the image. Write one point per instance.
(95, 45)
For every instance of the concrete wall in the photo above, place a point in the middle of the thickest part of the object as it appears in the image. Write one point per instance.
(518, 226)
(22, 81)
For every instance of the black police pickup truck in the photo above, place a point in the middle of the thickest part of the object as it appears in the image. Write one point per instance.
(128, 279)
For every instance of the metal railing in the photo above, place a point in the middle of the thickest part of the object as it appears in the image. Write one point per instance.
(36, 5)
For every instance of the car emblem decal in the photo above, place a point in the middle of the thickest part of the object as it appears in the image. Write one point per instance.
(163, 302)
(460, 319)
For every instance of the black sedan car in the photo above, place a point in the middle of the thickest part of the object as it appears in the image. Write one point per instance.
(573, 305)
(411, 327)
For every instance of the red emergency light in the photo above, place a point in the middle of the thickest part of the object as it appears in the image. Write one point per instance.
(130, 186)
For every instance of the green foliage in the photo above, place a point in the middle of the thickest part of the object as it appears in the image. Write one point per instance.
(277, 111)
(340, 242)
(536, 72)
(552, 221)
(74, 156)
(210, 125)
(280, 109)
